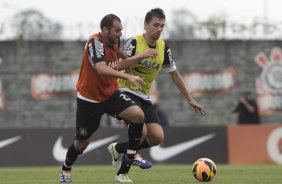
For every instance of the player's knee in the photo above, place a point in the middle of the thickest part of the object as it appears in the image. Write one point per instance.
(144, 132)
(81, 145)
(155, 140)
(138, 117)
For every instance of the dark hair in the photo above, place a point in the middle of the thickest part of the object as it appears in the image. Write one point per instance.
(156, 12)
(108, 20)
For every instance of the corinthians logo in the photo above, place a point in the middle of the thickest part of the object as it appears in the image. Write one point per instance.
(269, 84)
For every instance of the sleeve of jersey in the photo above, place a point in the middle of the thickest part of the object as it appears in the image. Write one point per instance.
(95, 50)
(130, 47)
(169, 64)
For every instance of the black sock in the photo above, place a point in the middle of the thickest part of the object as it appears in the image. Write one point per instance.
(121, 147)
(124, 168)
(144, 144)
(71, 157)
(134, 134)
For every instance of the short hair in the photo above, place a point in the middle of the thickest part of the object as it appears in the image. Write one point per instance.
(156, 12)
(107, 21)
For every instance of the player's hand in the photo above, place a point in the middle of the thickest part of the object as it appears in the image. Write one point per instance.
(149, 53)
(197, 107)
(136, 80)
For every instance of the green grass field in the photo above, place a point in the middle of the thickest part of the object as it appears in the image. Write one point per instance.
(158, 174)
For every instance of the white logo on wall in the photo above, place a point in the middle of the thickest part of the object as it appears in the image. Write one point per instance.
(159, 153)
(6, 142)
(59, 151)
(269, 84)
(274, 145)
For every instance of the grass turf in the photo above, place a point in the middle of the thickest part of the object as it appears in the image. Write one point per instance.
(158, 174)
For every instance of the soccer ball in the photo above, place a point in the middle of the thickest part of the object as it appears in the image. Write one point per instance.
(204, 169)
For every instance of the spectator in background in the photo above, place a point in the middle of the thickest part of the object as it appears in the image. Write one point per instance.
(247, 109)
(155, 99)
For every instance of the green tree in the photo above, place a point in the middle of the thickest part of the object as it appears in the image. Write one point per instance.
(33, 25)
(215, 26)
(183, 25)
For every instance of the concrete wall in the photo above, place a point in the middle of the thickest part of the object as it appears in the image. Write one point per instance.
(22, 60)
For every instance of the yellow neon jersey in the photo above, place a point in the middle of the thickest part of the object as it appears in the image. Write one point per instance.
(147, 68)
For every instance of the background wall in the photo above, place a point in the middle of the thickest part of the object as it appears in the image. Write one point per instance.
(22, 60)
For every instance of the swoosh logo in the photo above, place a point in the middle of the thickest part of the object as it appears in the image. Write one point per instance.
(9, 141)
(59, 151)
(160, 154)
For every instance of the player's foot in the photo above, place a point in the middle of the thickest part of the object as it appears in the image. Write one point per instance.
(65, 176)
(116, 157)
(123, 178)
(138, 161)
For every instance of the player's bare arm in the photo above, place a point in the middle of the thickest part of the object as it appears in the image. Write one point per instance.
(103, 69)
(179, 82)
(126, 61)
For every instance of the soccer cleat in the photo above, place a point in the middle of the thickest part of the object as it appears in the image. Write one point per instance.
(123, 178)
(116, 157)
(138, 161)
(65, 176)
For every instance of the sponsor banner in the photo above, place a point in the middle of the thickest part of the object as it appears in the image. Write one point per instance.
(2, 102)
(22, 147)
(255, 144)
(49, 84)
(187, 144)
(200, 83)
(269, 103)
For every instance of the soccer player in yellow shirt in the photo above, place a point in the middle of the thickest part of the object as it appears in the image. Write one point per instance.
(148, 69)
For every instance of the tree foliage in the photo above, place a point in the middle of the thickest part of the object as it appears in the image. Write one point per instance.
(33, 25)
(183, 25)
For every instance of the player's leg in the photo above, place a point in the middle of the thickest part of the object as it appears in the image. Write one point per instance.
(88, 116)
(76, 149)
(125, 108)
(154, 137)
(120, 105)
(118, 152)
(150, 116)
(152, 133)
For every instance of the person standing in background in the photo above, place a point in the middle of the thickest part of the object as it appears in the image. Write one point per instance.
(247, 109)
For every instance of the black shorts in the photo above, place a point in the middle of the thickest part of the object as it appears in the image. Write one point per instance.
(147, 107)
(88, 114)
